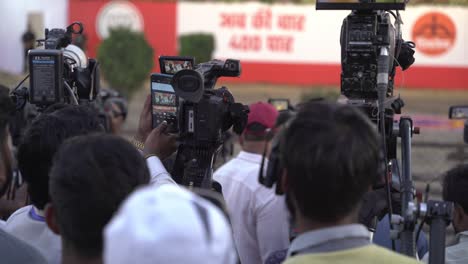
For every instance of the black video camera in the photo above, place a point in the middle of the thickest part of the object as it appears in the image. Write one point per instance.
(204, 114)
(61, 72)
(371, 48)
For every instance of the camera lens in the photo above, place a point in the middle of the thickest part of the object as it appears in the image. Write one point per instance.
(189, 83)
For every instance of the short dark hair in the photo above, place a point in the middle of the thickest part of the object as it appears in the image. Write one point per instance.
(6, 110)
(41, 141)
(332, 156)
(455, 186)
(90, 177)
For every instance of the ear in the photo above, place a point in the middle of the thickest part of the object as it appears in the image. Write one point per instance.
(51, 219)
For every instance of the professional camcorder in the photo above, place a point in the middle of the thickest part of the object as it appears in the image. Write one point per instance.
(61, 72)
(204, 114)
(58, 73)
(371, 48)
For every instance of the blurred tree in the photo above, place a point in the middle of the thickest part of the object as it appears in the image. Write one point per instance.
(126, 60)
(200, 46)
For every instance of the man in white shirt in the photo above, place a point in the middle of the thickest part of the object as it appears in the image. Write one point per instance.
(455, 186)
(12, 249)
(259, 217)
(35, 154)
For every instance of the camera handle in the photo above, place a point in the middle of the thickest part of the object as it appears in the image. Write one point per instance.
(407, 235)
(439, 216)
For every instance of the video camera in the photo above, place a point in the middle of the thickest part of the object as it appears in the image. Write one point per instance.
(460, 112)
(204, 114)
(58, 73)
(61, 72)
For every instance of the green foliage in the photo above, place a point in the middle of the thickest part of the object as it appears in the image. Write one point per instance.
(200, 46)
(126, 60)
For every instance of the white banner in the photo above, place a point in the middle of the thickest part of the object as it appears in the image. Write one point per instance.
(299, 34)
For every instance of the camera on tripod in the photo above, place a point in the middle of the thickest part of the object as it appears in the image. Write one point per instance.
(61, 72)
(204, 114)
(58, 73)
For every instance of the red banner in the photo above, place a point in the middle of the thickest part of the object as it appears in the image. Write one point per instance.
(159, 24)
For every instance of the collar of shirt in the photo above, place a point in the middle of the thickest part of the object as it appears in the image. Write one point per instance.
(37, 214)
(462, 237)
(321, 236)
(250, 157)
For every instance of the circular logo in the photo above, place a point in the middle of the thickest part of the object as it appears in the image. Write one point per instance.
(117, 14)
(434, 33)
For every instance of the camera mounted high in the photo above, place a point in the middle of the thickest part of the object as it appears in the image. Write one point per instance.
(61, 72)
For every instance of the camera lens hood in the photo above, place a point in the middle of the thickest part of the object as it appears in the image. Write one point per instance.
(189, 85)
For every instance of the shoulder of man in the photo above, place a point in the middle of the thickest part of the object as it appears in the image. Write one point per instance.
(15, 251)
(18, 214)
(366, 254)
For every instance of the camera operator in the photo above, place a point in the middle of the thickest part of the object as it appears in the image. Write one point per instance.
(116, 108)
(259, 217)
(12, 250)
(331, 157)
(90, 177)
(455, 187)
(155, 145)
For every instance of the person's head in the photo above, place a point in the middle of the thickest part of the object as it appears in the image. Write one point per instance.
(331, 157)
(261, 121)
(6, 109)
(168, 225)
(43, 138)
(90, 177)
(116, 109)
(455, 187)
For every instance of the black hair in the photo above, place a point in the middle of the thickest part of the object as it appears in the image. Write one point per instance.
(455, 186)
(331, 154)
(43, 138)
(7, 108)
(90, 178)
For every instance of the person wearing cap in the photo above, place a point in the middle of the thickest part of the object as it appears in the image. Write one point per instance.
(259, 218)
(167, 225)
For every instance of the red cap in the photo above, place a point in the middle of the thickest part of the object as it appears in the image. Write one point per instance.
(261, 113)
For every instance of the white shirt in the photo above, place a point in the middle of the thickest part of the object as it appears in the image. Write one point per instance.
(259, 217)
(456, 254)
(28, 224)
(158, 172)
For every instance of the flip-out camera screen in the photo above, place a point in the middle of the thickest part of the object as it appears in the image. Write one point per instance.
(173, 64)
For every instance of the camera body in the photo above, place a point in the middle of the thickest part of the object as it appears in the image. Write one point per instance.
(205, 112)
(362, 34)
(204, 115)
(61, 72)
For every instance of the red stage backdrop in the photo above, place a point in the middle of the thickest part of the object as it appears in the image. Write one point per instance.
(293, 44)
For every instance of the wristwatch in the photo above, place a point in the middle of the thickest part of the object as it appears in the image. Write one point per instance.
(138, 144)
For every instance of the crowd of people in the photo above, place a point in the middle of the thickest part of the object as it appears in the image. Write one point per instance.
(94, 197)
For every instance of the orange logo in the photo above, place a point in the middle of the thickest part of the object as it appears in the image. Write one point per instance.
(434, 33)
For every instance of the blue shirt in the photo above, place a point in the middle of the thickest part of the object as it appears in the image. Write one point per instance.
(382, 238)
